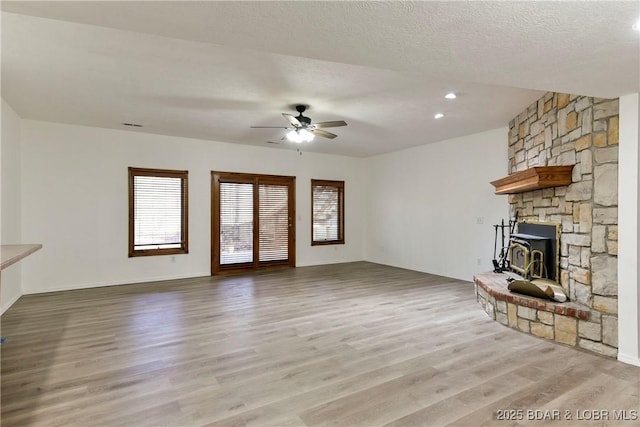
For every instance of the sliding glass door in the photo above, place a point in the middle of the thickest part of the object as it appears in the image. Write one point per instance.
(253, 221)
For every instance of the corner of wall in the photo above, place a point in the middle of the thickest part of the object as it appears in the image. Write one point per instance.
(409, 222)
(629, 220)
(10, 200)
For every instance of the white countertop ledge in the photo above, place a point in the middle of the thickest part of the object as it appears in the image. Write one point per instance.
(10, 254)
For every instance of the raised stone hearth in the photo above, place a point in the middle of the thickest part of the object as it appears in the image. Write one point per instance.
(495, 286)
(560, 322)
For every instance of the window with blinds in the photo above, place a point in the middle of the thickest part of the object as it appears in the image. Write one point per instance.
(236, 223)
(157, 212)
(327, 207)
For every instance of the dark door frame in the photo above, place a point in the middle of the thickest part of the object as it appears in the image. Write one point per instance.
(256, 180)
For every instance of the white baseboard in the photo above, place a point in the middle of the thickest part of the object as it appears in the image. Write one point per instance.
(631, 360)
(8, 305)
(326, 262)
(115, 283)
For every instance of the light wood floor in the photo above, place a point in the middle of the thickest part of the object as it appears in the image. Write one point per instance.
(343, 345)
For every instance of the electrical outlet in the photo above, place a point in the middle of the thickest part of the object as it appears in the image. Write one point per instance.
(480, 220)
(479, 261)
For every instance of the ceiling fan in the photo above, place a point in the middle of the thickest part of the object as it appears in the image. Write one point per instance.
(302, 130)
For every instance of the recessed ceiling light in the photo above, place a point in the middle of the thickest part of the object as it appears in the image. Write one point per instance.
(135, 125)
(450, 95)
(438, 116)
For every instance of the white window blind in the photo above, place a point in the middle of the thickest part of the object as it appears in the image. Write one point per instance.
(327, 211)
(159, 212)
(236, 223)
(274, 222)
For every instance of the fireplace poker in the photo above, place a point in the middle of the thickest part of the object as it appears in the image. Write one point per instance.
(502, 264)
(499, 265)
(496, 266)
(503, 255)
(512, 227)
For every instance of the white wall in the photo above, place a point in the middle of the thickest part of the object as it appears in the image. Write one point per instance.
(424, 205)
(629, 235)
(10, 205)
(75, 202)
(416, 209)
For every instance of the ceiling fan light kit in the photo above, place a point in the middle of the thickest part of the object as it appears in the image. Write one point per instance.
(301, 128)
(300, 135)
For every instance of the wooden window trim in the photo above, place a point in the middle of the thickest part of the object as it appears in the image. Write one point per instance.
(340, 186)
(164, 173)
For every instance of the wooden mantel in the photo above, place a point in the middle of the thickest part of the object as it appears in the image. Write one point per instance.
(534, 178)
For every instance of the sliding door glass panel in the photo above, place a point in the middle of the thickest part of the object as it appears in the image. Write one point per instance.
(236, 223)
(274, 223)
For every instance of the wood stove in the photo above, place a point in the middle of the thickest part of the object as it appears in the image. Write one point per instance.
(534, 250)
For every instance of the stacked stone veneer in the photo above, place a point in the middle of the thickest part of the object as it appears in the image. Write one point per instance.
(563, 129)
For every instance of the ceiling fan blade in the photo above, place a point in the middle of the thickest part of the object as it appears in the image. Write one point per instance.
(333, 124)
(323, 133)
(295, 122)
(269, 127)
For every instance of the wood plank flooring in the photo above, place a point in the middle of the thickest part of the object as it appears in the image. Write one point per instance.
(356, 344)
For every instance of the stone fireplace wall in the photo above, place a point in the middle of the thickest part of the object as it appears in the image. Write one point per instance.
(563, 129)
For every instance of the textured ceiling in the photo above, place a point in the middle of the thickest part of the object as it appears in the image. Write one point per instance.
(211, 69)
